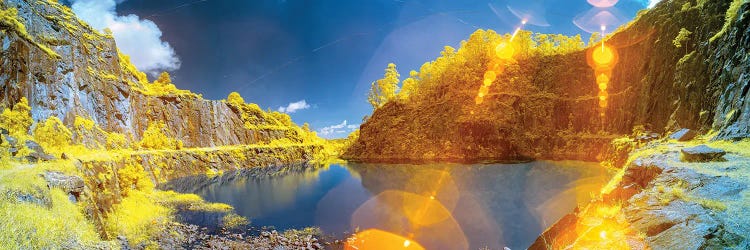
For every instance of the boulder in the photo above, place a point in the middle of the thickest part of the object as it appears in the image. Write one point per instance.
(34, 146)
(702, 153)
(4, 131)
(69, 183)
(12, 141)
(647, 136)
(684, 134)
(37, 152)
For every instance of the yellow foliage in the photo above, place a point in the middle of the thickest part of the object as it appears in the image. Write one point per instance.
(52, 135)
(9, 19)
(138, 218)
(84, 123)
(133, 178)
(17, 120)
(155, 138)
(233, 221)
(283, 118)
(729, 18)
(385, 89)
(188, 201)
(163, 86)
(116, 140)
(127, 66)
(235, 99)
(30, 226)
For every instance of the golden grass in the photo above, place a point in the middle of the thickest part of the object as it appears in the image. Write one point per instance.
(31, 226)
(138, 218)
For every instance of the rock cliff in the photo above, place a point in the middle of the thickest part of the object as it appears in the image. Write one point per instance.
(115, 132)
(546, 107)
(82, 74)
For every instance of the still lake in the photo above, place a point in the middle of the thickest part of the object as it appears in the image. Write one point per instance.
(441, 206)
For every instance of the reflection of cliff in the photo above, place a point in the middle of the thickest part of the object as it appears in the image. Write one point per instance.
(495, 205)
(547, 106)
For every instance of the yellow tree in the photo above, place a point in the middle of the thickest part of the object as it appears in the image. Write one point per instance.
(163, 85)
(410, 85)
(385, 89)
(235, 99)
(18, 120)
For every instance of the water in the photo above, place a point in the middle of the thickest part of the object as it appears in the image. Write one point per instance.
(474, 206)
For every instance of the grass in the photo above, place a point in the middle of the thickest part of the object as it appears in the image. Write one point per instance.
(234, 221)
(737, 147)
(138, 218)
(48, 220)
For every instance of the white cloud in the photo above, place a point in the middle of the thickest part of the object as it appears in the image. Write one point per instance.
(652, 3)
(139, 38)
(294, 106)
(339, 130)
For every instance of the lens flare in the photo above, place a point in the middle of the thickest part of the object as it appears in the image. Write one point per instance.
(603, 3)
(505, 50)
(531, 12)
(592, 20)
(602, 78)
(378, 239)
(423, 220)
(603, 56)
(602, 103)
(490, 75)
(603, 59)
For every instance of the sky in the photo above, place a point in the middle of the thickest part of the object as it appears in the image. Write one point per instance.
(316, 59)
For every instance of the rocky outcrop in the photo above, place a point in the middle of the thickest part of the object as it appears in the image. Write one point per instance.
(683, 135)
(549, 104)
(662, 203)
(702, 153)
(731, 70)
(93, 81)
(72, 185)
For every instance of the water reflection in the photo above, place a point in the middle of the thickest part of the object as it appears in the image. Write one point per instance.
(480, 205)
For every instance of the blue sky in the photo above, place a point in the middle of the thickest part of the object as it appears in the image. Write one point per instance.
(323, 52)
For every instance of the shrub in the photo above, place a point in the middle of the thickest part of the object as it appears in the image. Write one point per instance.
(17, 120)
(235, 99)
(155, 138)
(233, 221)
(133, 177)
(138, 218)
(52, 135)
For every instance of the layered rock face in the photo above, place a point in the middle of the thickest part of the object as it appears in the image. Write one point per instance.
(547, 107)
(92, 81)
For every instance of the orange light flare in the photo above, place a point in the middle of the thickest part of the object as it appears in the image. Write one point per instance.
(378, 239)
(504, 51)
(602, 58)
(421, 219)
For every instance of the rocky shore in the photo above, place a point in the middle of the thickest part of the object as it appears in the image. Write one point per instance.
(669, 195)
(187, 236)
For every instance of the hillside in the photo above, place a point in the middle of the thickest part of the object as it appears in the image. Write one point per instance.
(545, 104)
(87, 138)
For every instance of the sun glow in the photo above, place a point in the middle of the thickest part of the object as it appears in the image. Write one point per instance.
(503, 52)
(377, 239)
(602, 58)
